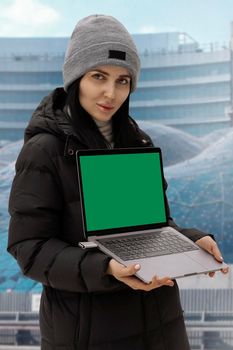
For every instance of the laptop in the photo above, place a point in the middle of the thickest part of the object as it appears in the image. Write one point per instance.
(124, 214)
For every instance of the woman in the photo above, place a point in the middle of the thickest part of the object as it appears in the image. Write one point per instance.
(89, 301)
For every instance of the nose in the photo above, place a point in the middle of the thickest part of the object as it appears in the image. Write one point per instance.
(110, 90)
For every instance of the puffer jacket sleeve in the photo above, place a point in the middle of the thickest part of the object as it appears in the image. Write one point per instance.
(35, 208)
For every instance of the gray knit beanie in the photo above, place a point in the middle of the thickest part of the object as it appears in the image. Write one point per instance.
(99, 40)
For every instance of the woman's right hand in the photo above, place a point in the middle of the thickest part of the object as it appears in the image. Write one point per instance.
(126, 275)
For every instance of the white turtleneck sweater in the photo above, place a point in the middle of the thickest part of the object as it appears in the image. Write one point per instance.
(105, 127)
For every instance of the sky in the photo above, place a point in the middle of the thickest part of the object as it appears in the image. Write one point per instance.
(204, 20)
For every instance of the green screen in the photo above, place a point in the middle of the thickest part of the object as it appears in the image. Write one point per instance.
(121, 190)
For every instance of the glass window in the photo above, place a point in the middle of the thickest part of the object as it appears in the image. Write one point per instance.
(22, 96)
(183, 72)
(15, 115)
(191, 112)
(182, 92)
(31, 78)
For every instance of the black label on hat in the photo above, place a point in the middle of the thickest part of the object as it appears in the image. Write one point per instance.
(120, 55)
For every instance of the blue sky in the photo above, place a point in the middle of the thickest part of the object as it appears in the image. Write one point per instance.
(205, 20)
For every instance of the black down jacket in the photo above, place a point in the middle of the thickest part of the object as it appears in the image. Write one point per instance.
(82, 308)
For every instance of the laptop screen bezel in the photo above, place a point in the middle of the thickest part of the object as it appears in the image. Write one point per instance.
(103, 232)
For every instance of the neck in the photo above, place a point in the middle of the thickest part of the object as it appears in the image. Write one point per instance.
(105, 127)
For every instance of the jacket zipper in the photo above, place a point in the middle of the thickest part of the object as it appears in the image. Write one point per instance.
(108, 144)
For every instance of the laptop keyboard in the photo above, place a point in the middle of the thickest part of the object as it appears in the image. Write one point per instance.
(147, 245)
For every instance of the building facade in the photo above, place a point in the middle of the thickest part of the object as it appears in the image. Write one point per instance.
(181, 84)
(187, 90)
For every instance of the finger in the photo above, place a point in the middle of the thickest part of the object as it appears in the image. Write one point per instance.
(135, 283)
(157, 282)
(211, 274)
(216, 253)
(225, 270)
(165, 281)
(129, 270)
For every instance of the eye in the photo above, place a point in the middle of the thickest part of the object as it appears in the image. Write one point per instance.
(123, 81)
(98, 76)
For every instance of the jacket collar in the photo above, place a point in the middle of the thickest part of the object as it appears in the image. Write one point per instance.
(50, 117)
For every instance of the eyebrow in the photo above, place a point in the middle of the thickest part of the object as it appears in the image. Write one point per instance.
(106, 73)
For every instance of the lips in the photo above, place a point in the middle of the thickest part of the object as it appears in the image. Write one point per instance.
(105, 107)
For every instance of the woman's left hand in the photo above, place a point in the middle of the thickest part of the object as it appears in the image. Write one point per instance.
(208, 244)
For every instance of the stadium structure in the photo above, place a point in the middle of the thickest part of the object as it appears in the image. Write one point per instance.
(182, 84)
(184, 101)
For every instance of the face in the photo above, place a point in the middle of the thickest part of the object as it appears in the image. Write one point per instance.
(103, 90)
